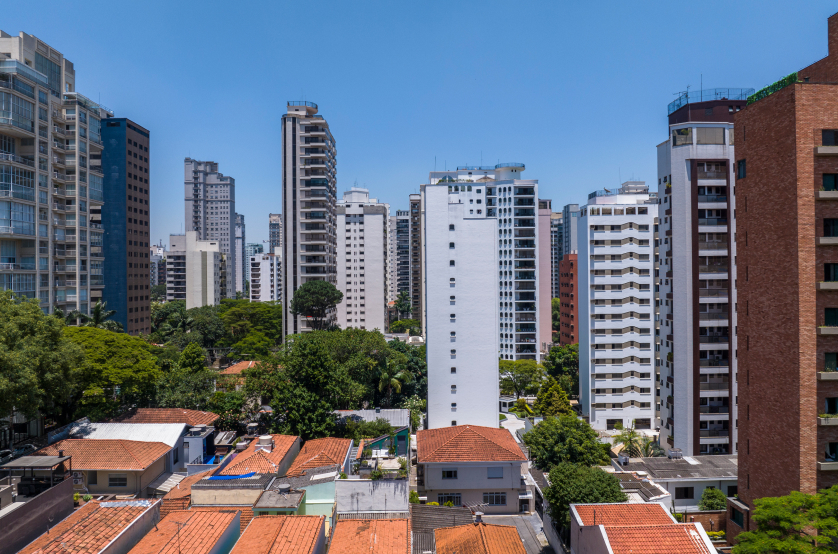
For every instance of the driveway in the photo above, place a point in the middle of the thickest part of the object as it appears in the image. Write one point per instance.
(513, 423)
(529, 529)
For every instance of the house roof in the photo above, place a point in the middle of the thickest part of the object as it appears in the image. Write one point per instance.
(683, 538)
(309, 477)
(371, 536)
(650, 513)
(237, 368)
(167, 433)
(169, 415)
(280, 535)
(398, 417)
(184, 488)
(467, 443)
(261, 461)
(479, 538)
(90, 528)
(633, 484)
(108, 453)
(272, 499)
(320, 452)
(689, 467)
(425, 519)
(187, 532)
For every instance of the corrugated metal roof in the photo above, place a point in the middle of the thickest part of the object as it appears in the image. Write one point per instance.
(397, 417)
(166, 482)
(167, 433)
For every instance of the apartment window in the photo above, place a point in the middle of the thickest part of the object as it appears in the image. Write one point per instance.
(451, 227)
(830, 272)
(453, 387)
(454, 405)
(453, 423)
(738, 517)
(117, 479)
(831, 454)
(684, 493)
(494, 473)
(494, 498)
(92, 477)
(453, 370)
(710, 135)
(452, 497)
(831, 406)
(830, 227)
(449, 473)
(451, 262)
(681, 137)
(453, 334)
(830, 361)
(732, 490)
(829, 137)
(740, 169)
(829, 181)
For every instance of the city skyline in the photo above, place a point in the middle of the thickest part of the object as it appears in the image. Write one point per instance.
(641, 72)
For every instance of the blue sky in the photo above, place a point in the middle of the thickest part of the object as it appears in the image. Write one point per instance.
(577, 91)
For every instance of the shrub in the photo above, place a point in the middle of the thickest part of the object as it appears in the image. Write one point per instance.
(76, 497)
(87, 498)
(403, 463)
(450, 504)
(342, 475)
(433, 504)
(712, 499)
(414, 497)
(678, 517)
(716, 535)
(376, 474)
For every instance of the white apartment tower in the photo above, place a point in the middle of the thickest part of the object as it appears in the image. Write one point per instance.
(460, 258)
(363, 269)
(241, 258)
(274, 232)
(211, 211)
(266, 277)
(309, 220)
(195, 270)
(697, 276)
(51, 178)
(513, 203)
(616, 308)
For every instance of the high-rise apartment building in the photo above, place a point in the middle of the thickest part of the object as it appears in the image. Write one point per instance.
(417, 282)
(274, 232)
(253, 248)
(266, 277)
(545, 323)
(51, 178)
(569, 299)
(400, 229)
(309, 196)
(211, 212)
(176, 268)
(462, 317)
(363, 240)
(157, 265)
(786, 235)
(696, 273)
(556, 245)
(241, 257)
(616, 308)
(195, 270)
(511, 202)
(570, 229)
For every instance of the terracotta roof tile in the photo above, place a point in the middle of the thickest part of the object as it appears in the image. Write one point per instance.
(371, 536)
(184, 488)
(683, 538)
(87, 530)
(108, 453)
(479, 538)
(467, 443)
(360, 449)
(197, 533)
(237, 368)
(169, 415)
(320, 452)
(261, 461)
(622, 514)
(280, 535)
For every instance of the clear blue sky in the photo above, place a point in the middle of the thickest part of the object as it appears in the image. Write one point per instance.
(577, 91)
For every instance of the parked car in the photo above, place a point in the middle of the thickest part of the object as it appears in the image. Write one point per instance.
(5, 456)
(24, 450)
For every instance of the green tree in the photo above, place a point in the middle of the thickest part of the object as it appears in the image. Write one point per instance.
(190, 384)
(40, 370)
(565, 439)
(70, 318)
(798, 524)
(100, 318)
(206, 321)
(357, 430)
(409, 326)
(391, 377)
(649, 448)
(315, 299)
(253, 346)
(417, 365)
(556, 306)
(631, 441)
(712, 499)
(562, 362)
(552, 400)
(578, 484)
(403, 306)
(193, 359)
(158, 293)
(521, 377)
(415, 405)
(231, 407)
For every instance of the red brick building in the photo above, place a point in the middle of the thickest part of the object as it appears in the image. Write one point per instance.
(787, 216)
(568, 280)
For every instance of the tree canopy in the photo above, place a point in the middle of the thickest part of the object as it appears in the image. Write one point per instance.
(189, 384)
(579, 484)
(403, 305)
(712, 499)
(315, 299)
(565, 439)
(562, 363)
(552, 400)
(409, 326)
(520, 377)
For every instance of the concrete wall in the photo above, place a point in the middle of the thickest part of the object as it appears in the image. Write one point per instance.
(229, 538)
(225, 497)
(472, 481)
(30, 521)
(137, 481)
(364, 495)
(289, 458)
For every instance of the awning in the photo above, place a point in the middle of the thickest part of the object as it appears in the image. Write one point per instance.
(166, 482)
(524, 495)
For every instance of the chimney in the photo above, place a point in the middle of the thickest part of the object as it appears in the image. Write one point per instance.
(478, 517)
(60, 453)
(265, 442)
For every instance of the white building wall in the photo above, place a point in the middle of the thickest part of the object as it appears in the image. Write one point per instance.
(616, 310)
(203, 271)
(241, 258)
(266, 277)
(461, 315)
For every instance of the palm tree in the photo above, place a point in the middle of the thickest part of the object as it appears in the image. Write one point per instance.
(630, 439)
(649, 448)
(70, 318)
(403, 305)
(99, 316)
(392, 376)
(177, 322)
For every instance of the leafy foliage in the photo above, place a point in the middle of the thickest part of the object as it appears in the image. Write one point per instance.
(562, 363)
(409, 326)
(556, 308)
(403, 306)
(100, 317)
(358, 430)
(415, 405)
(190, 384)
(520, 377)
(158, 293)
(712, 499)
(579, 484)
(552, 400)
(631, 441)
(391, 376)
(315, 299)
(565, 439)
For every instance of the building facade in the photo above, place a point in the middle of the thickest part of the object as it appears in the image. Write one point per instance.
(241, 257)
(274, 232)
(462, 317)
(50, 169)
(309, 197)
(253, 248)
(545, 276)
(570, 229)
(697, 272)
(157, 265)
(176, 268)
(400, 229)
(211, 212)
(125, 160)
(266, 277)
(616, 308)
(205, 271)
(556, 245)
(362, 261)
(568, 301)
(417, 282)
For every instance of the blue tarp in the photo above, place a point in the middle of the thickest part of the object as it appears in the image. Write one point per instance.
(230, 477)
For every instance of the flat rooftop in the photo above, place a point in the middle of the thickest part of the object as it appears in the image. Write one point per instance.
(687, 467)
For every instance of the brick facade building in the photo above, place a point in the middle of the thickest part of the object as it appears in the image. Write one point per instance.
(568, 279)
(786, 168)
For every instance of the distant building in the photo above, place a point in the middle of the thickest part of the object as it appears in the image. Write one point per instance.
(253, 248)
(157, 265)
(556, 245)
(274, 232)
(400, 253)
(570, 228)
(265, 277)
(417, 263)
(194, 271)
(569, 298)
(242, 259)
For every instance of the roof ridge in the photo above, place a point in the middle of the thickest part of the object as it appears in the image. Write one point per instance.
(457, 432)
(496, 443)
(482, 527)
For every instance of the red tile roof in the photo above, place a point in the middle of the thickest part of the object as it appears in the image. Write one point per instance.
(683, 538)
(169, 415)
(108, 453)
(87, 530)
(237, 368)
(184, 488)
(360, 449)
(479, 538)
(197, 533)
(371, 536)
(622, 514)
(261, 461)
(281, 535)
(467, 443)
(319, 453)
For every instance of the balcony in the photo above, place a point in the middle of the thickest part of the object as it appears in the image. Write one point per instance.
(714, 386)
(712, 198)
(828, 421)
(827, 330)
(704, 339)
(16, 159)
(713, 293)
(714, 409)
(720, 221)
(827, 241)
(714, 432)
(714, 268)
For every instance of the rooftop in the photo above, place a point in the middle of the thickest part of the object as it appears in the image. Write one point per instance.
(309, 477)
(645, 489)
(257, 481)
(237, 368)
(320, 452)
(683, 538)
(187, 532)
(184, 487)
(256, 459)
(169, 415)
(107, 453)
(397, 417)
(706, 95)
(90, 528)
(273, 499)
(467, 443)
(167, 433)
(479, 538)
(424, 520)
(371, 536)
(35, 462)
(687, 467)
(280, 535)
(620, 514)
